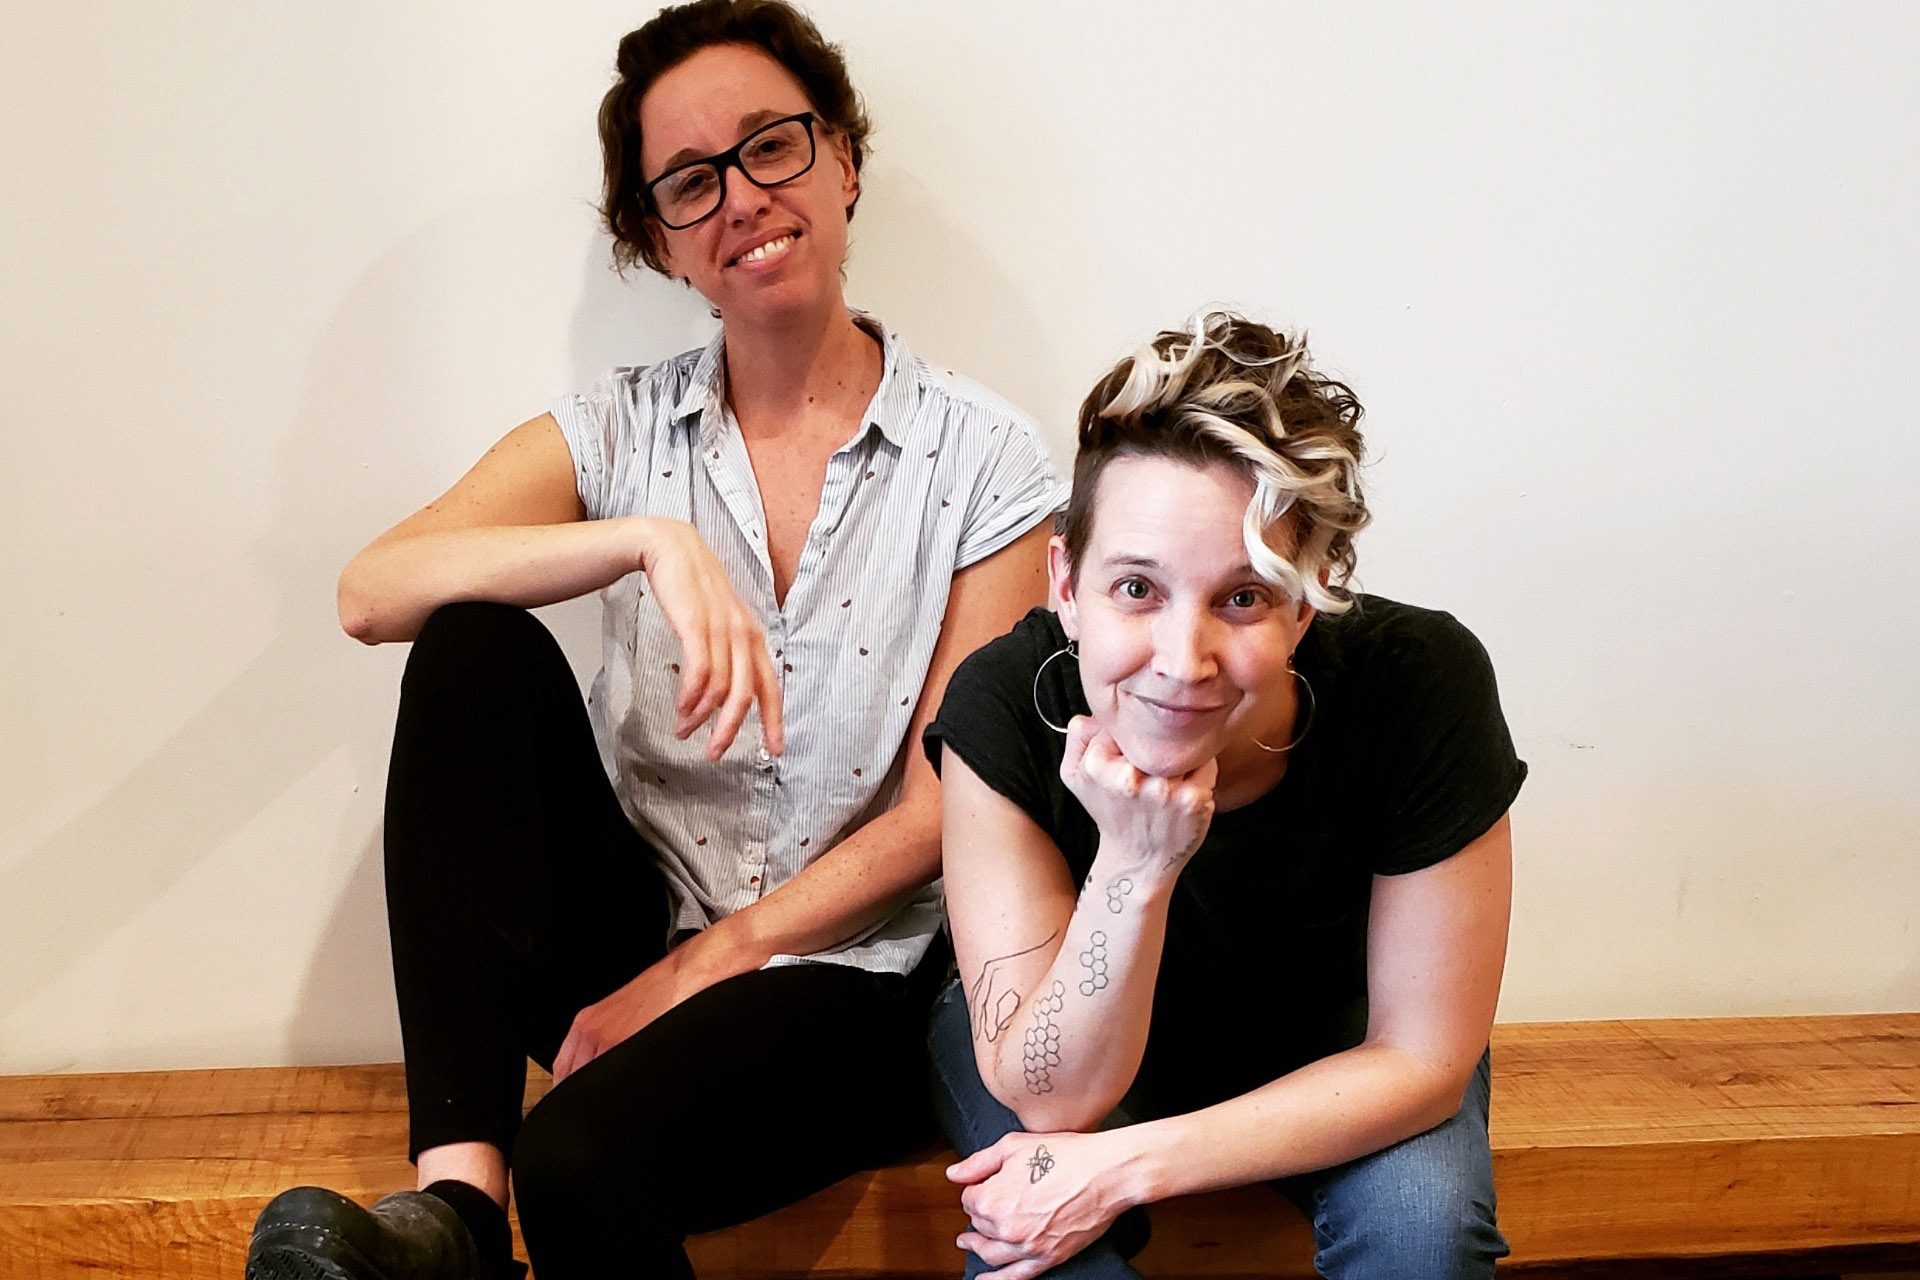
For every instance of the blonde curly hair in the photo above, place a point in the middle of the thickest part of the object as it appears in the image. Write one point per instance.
(1229, 390)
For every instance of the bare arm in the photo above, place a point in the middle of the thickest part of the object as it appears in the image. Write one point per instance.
(496, 535)
(512, 530)
(1436, 948)
(866, 877)
(1061, 991)
(869, 875)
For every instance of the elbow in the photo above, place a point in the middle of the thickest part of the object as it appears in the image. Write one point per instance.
(359, 612)
(1052, 1112)
(1066, 1115)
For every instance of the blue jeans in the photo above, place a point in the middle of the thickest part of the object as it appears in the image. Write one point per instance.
(1421, 1209)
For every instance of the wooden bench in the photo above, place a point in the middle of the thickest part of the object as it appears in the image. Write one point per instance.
(1722, 1147)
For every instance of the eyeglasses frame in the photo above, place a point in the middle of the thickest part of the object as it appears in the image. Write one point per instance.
(730, 158)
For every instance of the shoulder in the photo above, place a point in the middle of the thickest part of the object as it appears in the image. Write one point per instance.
(644, 392)
(1010, 662)
(957, 400)
(1385, 639)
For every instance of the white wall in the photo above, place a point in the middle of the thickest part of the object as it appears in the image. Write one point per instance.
(1629, 291)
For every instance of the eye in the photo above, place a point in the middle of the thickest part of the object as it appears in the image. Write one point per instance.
(1134, 588)
(687, 184)
(1245, 598)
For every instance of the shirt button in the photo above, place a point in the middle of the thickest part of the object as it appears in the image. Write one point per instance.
(755, 880)
(763, 759)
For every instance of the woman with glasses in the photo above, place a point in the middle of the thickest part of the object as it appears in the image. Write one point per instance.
(1226, 849)
(726, 954)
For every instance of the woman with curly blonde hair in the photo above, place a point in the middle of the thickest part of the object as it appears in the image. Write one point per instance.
(1226, 848)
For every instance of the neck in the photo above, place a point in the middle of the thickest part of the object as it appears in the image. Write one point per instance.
(783, 370)
(1246, 771)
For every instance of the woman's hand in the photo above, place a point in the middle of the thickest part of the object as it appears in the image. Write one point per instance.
(605, 1023)
(713, 955)
(724, 664)
(1157, 821)
(1036, 1199)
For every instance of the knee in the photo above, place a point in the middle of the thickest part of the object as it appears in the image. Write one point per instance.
(969, 1114)
(1409, 1214)
(472, 659)
(467, 633)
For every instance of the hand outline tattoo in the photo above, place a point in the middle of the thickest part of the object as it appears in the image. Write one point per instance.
(993, 1006)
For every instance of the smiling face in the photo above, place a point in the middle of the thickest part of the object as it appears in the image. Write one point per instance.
(1183, 648)
(767, 253)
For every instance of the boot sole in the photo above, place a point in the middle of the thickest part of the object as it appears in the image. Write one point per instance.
(303, 1235)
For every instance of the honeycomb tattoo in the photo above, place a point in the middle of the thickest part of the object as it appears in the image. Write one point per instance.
(1043, 1041)
(1094, 961)
(1116, 890)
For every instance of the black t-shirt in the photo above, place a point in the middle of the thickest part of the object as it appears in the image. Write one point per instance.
(1406, 762)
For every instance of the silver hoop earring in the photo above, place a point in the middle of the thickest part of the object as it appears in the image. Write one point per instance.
(1072, 650)
(1312, 706)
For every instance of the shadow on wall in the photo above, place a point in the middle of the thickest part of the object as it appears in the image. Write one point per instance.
(618, 321)
(311, 692)
(632, 321)
(968, 314)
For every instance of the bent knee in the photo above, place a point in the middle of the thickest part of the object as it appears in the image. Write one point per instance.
(1407, 1213)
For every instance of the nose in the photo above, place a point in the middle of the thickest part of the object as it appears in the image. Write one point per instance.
(1184, 646)
(740, 199)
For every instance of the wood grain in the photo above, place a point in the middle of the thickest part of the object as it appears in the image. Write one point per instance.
(1683, 1148)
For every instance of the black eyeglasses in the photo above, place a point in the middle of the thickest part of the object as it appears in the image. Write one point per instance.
(777, 152)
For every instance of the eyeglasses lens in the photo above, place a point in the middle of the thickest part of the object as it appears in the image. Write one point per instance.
(780, 152)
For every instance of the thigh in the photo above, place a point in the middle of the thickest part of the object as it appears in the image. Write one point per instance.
(754, 1094)
(512, 869)
(1422, 1207)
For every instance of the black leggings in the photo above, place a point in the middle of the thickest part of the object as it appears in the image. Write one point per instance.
(517, 894)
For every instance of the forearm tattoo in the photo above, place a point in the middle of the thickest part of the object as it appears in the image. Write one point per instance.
(1178, 858)
(1043, 1041)
(1094, 961)
(1039, 1164)
(1117, 890)
(994, 1004)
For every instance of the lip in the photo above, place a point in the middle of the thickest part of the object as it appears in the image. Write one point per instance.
(1178, 714)
(746, 247)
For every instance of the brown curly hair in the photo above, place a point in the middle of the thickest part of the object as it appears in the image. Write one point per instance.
(671, 37)
(1232, 391)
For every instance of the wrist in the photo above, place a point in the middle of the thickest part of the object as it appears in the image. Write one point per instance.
(1125, 859)
(645, 541)
(723, 950)
(1143, 1173)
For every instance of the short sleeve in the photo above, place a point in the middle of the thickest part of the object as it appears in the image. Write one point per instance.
(988, 718)
(1016, 488)
(593, 423)
(1455, 771)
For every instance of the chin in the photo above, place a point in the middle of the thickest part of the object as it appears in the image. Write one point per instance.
(1165, 757)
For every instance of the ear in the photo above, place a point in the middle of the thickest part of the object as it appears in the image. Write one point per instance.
(657, 240)
(849, 175)
(1060, 586)
(1302, 619)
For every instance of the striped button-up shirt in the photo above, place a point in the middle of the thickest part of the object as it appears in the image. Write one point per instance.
(938, 475)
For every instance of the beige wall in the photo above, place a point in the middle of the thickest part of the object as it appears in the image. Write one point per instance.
(1629, 290)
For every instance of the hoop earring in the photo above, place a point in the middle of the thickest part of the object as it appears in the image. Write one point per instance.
(1313, 705)
(1072, 650)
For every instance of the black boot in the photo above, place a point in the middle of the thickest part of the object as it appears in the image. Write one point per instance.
(310, 1233)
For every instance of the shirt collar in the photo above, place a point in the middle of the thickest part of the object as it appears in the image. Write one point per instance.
(891, 410)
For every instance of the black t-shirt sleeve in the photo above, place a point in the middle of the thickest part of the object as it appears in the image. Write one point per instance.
(988, 718)
(1449, 769)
